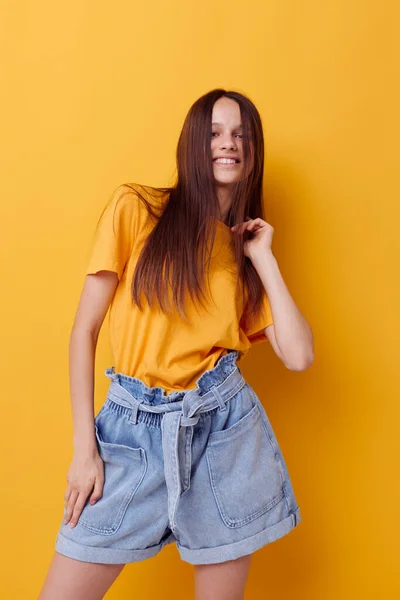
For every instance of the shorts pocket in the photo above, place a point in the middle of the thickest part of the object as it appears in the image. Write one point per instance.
(245, 474)
(124, 469)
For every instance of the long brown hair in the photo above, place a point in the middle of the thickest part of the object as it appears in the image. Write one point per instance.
(178, 249)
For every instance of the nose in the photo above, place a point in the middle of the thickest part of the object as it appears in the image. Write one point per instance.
(228, 141)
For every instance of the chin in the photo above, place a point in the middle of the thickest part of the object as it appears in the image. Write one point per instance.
(227, 178)
(227, 181)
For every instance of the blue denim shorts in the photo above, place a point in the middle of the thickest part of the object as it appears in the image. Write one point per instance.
(199, 467)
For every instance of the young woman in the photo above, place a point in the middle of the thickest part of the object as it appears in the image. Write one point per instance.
(182, 449)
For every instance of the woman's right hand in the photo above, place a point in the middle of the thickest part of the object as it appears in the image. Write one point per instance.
(86, 471)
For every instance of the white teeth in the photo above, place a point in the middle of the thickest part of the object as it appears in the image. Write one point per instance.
(225, 161)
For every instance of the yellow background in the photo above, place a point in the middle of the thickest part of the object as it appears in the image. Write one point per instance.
(94, 94)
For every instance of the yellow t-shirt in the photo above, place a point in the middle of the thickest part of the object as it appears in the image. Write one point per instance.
(163, 350)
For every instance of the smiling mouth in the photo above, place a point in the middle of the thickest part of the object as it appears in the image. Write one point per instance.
(226, 163)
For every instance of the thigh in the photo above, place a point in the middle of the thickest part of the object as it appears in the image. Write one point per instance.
(70, 579)
(222, 581)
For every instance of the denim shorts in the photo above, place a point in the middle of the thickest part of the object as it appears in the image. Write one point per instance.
(199, 467)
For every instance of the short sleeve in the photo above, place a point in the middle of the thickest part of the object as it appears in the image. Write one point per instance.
(255, 330)
(114, 233)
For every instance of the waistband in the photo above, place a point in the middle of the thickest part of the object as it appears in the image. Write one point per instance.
(213, 388)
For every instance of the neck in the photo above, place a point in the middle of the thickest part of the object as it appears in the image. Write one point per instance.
(225, 201)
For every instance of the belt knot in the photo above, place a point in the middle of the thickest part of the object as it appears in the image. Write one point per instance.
(188, 421)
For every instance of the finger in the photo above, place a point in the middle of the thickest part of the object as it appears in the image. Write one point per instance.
(70, 505)
(256, 224)
(66, 499)
(67, 494)
(98, 490)
(79, 504)
(240, 227)
(256, 219)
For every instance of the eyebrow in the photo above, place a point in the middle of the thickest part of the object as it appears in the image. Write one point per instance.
(237, 126)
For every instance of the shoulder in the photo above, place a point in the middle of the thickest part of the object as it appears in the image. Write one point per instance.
(125, 194)
(134, 208)
(140, 197)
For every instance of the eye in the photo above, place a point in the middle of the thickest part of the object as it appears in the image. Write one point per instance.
(240, 135)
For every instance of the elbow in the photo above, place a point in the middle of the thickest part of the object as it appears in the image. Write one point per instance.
(79, 332)
(301, 363)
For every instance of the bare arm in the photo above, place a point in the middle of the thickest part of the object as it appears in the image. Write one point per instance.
(96, 296)
(290, 335)
(86, 471)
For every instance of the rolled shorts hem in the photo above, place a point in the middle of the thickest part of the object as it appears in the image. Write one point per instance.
(203, 556)
(110, 556)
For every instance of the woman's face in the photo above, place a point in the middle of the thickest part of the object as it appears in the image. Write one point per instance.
(226, 141)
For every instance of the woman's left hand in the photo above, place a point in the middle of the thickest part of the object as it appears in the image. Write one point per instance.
(262, 233)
